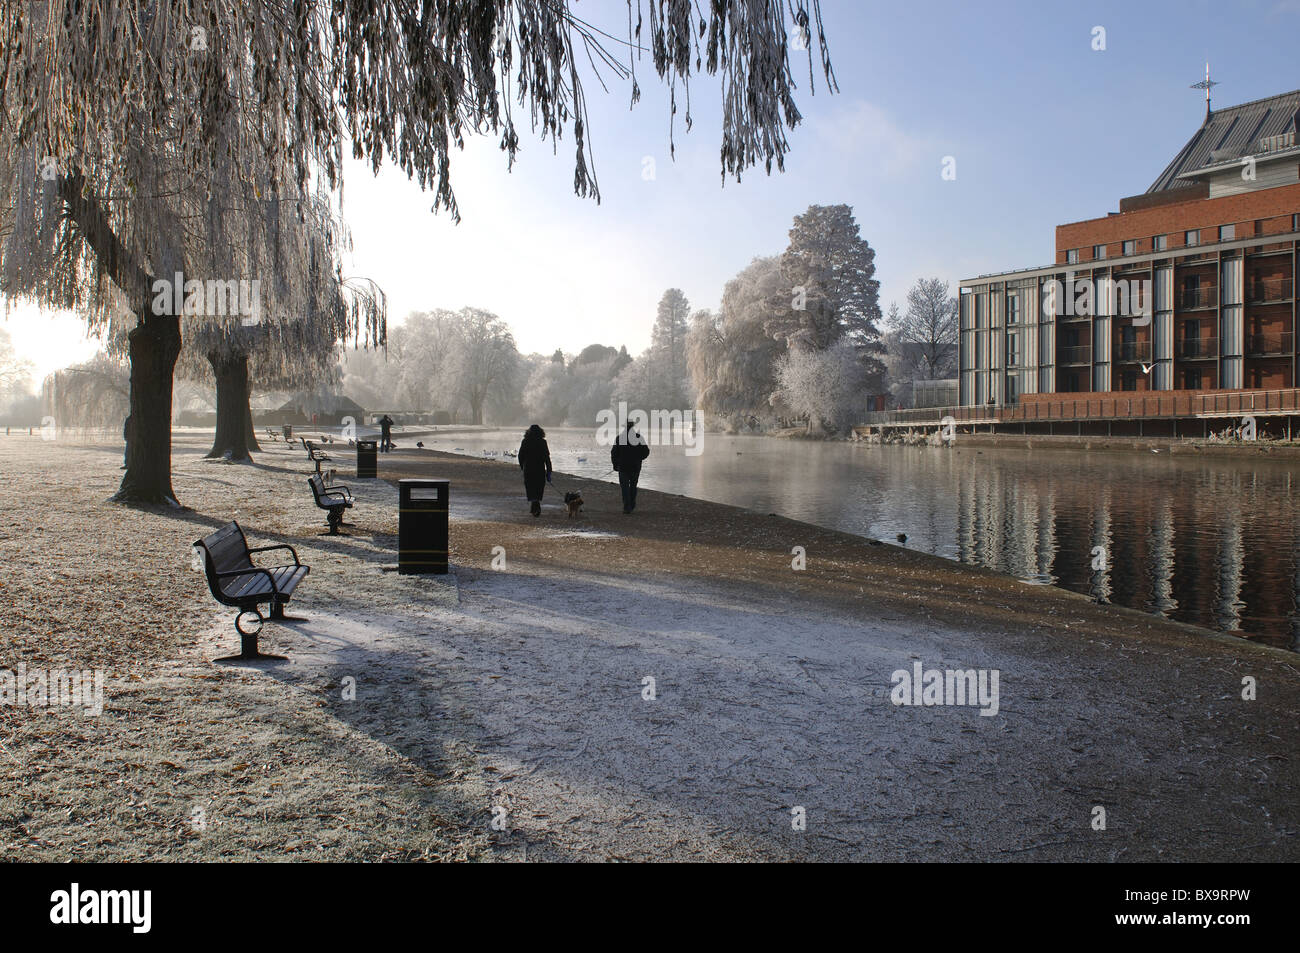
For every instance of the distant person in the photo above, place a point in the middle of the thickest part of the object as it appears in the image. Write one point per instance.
(535, 461)
(626, 456)
(386, 433)
(126, 437)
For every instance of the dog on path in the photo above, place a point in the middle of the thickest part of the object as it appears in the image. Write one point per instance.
(574, 503)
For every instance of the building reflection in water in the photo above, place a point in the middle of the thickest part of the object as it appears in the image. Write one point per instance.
(1207, 541)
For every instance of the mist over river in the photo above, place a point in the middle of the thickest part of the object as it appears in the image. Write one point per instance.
(1211, 541)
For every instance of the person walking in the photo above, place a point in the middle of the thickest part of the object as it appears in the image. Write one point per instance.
(535, 461)
(385, 433)
(626, 456)
(127, 430)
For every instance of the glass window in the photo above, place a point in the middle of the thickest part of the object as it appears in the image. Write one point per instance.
(1192, 237)
(1072, 256)
(1295, 223)
(1013, 349)
(1131, 247)
(1160, 242)
(1013, 309)
(1098, 252)
(1227, 233)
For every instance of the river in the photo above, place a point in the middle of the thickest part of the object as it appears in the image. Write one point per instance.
(1210, 541)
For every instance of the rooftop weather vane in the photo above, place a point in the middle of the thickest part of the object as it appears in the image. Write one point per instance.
(1206, 84)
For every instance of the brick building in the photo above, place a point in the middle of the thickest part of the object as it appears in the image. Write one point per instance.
(1188, 287)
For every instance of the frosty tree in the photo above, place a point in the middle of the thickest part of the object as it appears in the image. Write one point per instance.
(831, 290)
(122, 123)
(668, 349)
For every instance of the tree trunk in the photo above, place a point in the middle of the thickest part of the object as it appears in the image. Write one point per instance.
(248, 421)
(154, 344)
(234, 422)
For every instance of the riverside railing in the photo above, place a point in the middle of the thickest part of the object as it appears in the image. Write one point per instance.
(1094, 406)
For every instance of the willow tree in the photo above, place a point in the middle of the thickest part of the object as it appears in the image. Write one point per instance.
(282, 349)
(289, 353)
(120, 116)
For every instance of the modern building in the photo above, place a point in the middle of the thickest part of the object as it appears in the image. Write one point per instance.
(1189, 287)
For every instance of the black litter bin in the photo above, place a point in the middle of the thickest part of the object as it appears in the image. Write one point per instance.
(422, 526)
(367, 468)
(288, 432)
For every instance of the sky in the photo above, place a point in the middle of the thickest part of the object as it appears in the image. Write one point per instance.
(1043, 128)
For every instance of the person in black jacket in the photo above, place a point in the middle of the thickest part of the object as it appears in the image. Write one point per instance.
(535, 461)
(386, 433)
(629, 450)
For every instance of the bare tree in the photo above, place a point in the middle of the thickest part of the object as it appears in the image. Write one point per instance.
(15, 372)
(930, 327)
(485, 358)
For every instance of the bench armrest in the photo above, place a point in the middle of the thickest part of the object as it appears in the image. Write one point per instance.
(339, 487)
(267, 549)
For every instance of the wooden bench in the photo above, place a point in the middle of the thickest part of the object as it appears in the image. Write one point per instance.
(314, 453)
(335, 498)
(236, 581)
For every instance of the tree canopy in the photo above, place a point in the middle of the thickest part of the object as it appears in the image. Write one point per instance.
(140, 142)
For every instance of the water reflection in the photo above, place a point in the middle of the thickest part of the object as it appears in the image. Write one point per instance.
(1211, 541)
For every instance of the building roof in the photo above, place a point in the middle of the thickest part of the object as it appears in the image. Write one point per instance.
(1229, 134)
(309, 402)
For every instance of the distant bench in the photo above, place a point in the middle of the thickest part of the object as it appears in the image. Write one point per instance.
(236, 581)
(314, 453)
(335, 499)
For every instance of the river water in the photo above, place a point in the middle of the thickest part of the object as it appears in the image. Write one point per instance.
(1211, 541)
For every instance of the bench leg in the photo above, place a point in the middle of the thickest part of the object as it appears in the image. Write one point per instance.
(335, 519)
(277, 614)
(248, 651)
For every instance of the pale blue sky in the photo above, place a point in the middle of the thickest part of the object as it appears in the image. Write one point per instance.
(1043, 128)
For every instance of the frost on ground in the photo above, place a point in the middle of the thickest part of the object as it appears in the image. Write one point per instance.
(660, 686)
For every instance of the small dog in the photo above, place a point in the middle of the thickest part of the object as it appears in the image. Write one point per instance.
(574, 502)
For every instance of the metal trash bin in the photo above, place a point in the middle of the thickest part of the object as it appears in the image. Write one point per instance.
(367, 467)
(422, 526)
(287, 429)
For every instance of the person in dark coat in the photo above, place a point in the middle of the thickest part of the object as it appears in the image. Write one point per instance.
(386, 433)
(535, 461)
(626, 456)
(126, 437)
